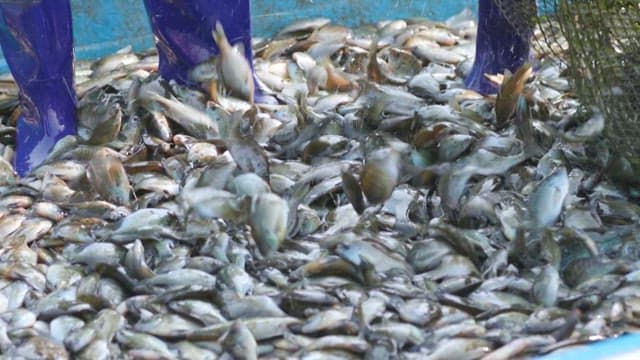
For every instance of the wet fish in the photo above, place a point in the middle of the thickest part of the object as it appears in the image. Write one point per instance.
(546, 202)
(234, 68)
(268, 221)
(509, 92)
(109, 179)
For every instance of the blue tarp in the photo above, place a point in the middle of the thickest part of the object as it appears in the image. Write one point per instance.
(626, 347)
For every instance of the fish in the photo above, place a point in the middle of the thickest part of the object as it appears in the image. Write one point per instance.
(379, 209)
(268, 220)
(509, 92)
(195, 121)
(545, 204)
(109, 178)
(235, 70)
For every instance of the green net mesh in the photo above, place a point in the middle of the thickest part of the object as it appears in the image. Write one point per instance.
(600, 42)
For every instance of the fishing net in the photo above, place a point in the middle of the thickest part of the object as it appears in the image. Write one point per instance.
(600, 42)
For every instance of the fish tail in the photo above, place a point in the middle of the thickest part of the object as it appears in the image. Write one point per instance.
(220, 37)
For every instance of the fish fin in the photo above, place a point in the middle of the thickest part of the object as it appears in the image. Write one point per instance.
(220, 37)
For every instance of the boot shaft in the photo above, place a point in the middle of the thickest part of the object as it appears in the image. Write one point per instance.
(37, 39)
(183, 31)
(499, 45)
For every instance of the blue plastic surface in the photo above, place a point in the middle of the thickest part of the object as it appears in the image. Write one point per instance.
(626, 347)
(103, 26)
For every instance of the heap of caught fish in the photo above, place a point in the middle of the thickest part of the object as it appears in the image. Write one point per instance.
(380, 210)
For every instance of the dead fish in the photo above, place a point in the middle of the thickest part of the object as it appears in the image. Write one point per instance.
(8, 176)
(418, 312)
(142, 224)
(55, 189)
(524, 128)
(98, 253)
(31, 230)
(351, 187)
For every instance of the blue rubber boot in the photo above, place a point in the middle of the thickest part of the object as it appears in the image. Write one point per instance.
(183, 28)
(498, 47)
(37, 42)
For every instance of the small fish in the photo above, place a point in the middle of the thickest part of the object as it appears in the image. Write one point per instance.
(589, 130)
(380, 175)
(547, 201)
(196, 122)
(235, 70)
(135, 263)
(256, 306)
(99, 123)
(524, 128)
(180, 277)
(140, 341)
(519, 346)
(240, 343)
(268, 220)
(204, 311)
(351, 187)
(248, 154)
(509, 92)
(428, 53)
(8, 176)
(166, 324)
(114, 61)
(401, 333)
(460, 348)
(546, 285)
(373, 65)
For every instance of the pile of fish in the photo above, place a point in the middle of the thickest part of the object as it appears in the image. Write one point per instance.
(378, 210)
